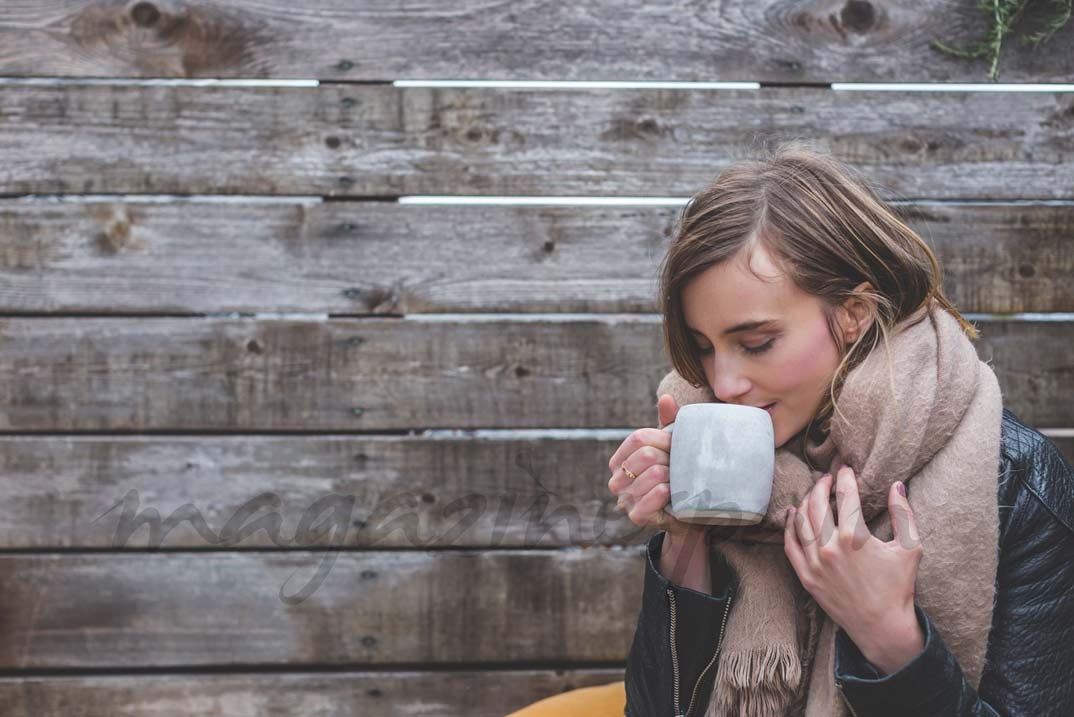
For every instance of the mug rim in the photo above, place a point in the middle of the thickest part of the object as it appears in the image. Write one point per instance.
(733, 406)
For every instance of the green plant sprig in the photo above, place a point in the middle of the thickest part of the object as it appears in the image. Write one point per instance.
(1003, 15)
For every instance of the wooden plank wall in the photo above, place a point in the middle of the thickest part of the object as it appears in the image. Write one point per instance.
(213, 306)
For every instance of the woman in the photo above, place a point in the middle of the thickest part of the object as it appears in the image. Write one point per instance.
(941, 581)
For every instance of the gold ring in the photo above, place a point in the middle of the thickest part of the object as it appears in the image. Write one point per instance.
(627, 471)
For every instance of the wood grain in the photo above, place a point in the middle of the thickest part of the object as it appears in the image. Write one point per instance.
(249, 492)
(588, 371)
(824, 41)
(192, 256)
(1065, 444)
(475, 693)
(166, 609)
(213, 492)
(382, 141)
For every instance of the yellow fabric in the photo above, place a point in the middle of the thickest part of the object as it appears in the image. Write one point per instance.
(598, 701)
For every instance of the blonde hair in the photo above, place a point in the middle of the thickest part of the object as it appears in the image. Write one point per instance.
(827, 230)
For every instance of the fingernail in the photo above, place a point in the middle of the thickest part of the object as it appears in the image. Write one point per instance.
(899, 486)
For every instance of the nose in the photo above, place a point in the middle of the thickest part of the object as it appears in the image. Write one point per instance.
(727, 380)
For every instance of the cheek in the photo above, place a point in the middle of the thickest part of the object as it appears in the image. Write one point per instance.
(811, 364)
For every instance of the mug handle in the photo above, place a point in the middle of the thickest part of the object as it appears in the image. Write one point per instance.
(669, 427)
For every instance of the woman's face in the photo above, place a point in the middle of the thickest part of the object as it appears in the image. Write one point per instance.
(788, 361)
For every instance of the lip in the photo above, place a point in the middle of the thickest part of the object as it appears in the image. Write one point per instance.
(769, 407)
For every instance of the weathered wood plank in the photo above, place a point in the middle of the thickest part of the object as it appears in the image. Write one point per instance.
(385, 141)
(1065, 444)
(376, 40)
(167, 609)
(358, 257)
(593, 371)
(61, 492)
(383, 491)
(340, 694)
(345, 374)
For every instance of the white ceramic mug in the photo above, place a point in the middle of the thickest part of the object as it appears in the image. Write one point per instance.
(722, 463)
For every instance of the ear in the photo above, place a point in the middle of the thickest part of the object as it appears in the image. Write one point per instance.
(856, 315)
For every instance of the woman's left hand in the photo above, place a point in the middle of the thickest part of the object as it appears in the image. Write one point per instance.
(864, 584)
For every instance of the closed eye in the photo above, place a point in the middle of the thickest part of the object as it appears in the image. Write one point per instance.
(706, 350)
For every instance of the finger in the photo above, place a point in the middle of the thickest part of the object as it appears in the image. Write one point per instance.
(821, 519)
(791, 546)
(635, 441)
(902, 518)
(619, 481)
(666, 409)
(803, 530)
(847, 499)
(647, 507)
(637, 463)
(651, 477)
(848, 503)
(630, 444)
(660, 519)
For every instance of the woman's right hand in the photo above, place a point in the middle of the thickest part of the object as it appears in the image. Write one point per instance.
(646, 453)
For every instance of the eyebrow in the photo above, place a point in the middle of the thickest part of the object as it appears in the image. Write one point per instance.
(739, 328)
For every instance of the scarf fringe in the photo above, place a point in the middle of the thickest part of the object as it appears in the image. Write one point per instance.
(761, 682)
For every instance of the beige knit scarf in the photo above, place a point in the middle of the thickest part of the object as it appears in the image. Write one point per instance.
(931, 418)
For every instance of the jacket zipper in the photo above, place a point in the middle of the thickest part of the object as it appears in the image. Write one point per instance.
(675, 655)
(839, 686)
(719, 643)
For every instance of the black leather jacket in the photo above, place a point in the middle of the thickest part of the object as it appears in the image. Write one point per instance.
(1029, 668)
